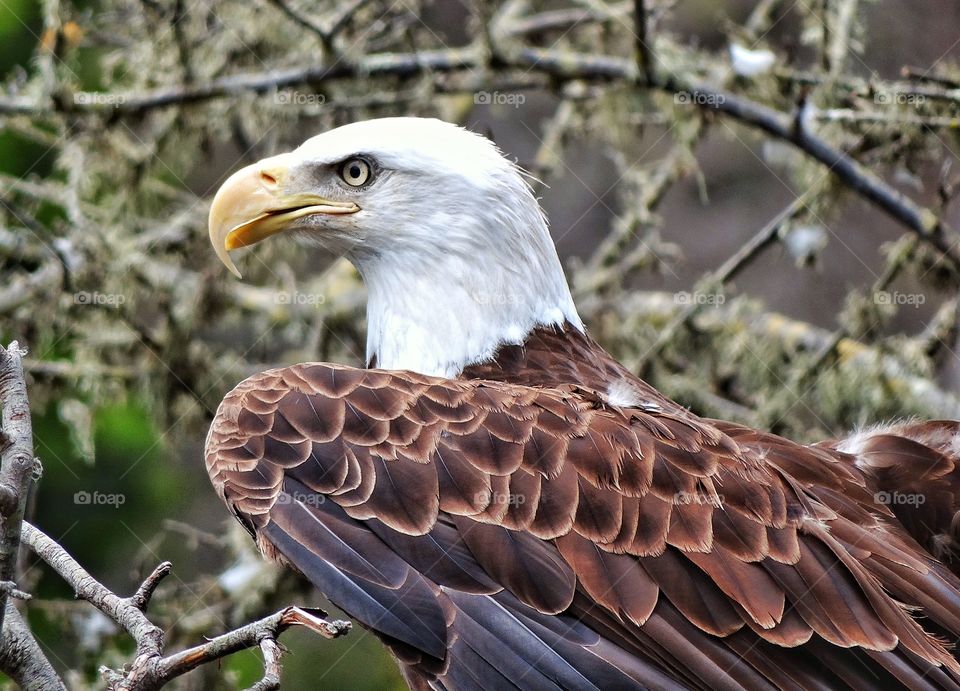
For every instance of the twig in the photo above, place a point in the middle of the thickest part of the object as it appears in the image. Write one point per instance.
(644, 51)
(141, 598)
(760, 18)
(897, 263)
(148, 636)
(895, 119)
(20, 290)
(714, 280)
(327, 29)
(919, 219)
(150, 669)
(864, 88)
(16, 462)
(837, 42)
(68, 370)
(303, 20)
(271, 665)
(659, 307)
(11, 589)
(552, 20)
(343, 15)
(161, 670)
(922, 74)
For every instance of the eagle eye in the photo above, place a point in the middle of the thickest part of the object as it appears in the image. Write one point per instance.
(356, 172)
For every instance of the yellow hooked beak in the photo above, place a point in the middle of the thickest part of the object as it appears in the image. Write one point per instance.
(252, 205)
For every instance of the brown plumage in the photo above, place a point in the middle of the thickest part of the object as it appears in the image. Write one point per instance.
(512, 527)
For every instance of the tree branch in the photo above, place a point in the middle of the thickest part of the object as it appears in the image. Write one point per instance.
(16, 463)
(162, 670)
(22, 659)
(716, 279)
(151, 669)
(795, 130)
(563, 66)
(642, 44)
(148, 636)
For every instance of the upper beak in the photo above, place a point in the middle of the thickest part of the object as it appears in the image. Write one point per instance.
(253, 204)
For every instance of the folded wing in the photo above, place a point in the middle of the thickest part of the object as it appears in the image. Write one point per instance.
(497, 535)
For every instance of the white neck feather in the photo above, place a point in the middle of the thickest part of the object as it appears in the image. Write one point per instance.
(436, 310)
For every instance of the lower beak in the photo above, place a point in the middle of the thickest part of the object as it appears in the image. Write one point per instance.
(251, 206)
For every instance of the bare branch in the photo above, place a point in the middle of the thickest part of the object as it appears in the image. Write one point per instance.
(716, 279)
(150, 669)
(795, 130)
(838, 45)
(302, 19)
(642, 44)
(271, 665)
(148, 636)
(11, 589)
(553, 20)
(571, 66)
(141, 598)
(16, 462)
(157, 671)
(22, 659)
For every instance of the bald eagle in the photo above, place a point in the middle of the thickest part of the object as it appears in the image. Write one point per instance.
(506, 506)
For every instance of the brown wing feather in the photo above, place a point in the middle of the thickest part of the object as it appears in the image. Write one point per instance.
(675, 543)
(914, 471)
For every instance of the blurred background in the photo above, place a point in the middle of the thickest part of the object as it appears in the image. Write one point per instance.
(119, 119)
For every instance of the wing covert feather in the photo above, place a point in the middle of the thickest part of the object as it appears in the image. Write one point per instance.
(460, 499)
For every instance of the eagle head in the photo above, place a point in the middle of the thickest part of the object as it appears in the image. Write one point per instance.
(447, 234)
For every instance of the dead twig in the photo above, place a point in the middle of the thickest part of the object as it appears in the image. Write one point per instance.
(150, 669)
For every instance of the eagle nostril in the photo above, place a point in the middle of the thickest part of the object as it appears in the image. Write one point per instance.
(268, 179)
